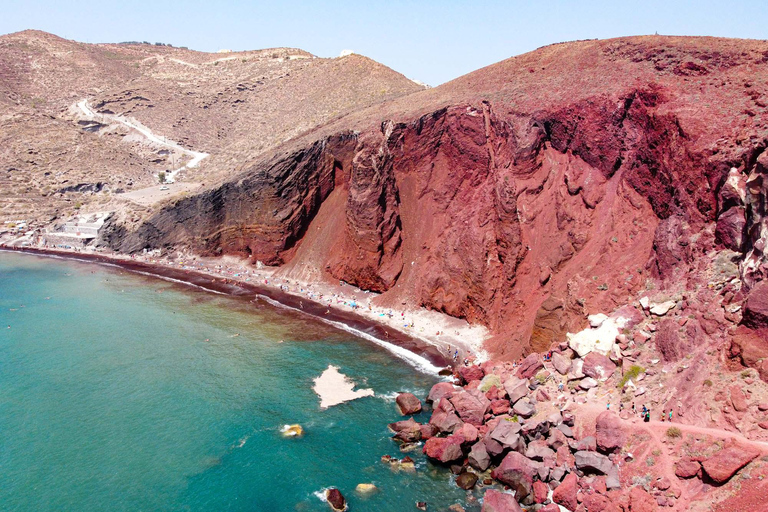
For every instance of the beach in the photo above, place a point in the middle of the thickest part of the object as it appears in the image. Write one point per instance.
(435, 339)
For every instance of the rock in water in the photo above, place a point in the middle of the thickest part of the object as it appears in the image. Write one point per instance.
(292, 430)
(335, 499)
(466, 480)
(408, 404)
(497, 501)
(366, 489)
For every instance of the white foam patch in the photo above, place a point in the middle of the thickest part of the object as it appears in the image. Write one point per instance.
(333, 388)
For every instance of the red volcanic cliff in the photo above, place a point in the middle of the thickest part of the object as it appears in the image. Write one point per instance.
(522, 196)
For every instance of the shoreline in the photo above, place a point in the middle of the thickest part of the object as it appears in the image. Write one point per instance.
(434, 354)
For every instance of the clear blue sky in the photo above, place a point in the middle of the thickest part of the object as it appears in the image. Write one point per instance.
(427, 40)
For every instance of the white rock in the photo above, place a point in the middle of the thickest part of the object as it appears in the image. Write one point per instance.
(640, 391)
(645, 302)
(587, 383)
(599, 340)
(597, 320)
(663, 308)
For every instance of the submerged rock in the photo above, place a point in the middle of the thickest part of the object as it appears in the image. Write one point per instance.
(295, 430)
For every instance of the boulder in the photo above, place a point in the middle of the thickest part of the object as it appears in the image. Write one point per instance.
(565, 458)
(565, 494)
(366, 489)
(608, 432)
(470, 373)
(524, 408)
(550, 508)
(478, 456)
(516, 388)
(575, 373)
(756, 307)
(517, 472)
(497, 501)
(556, 439)
(597, 320)
(738, 398)
(530, 366)
(588, 383)
(538, 450)
(561, 363)
(535, 428)
(440, 390)
(725, 463)
(468, 432)
(466, 480)
(588, 443)
(469, 407)
(565, 429)
(408, 404)
(687, 468)
(444, 449)
(730, 228)
(493, 447)
(594, 340)
(598, 503)
(612, 479)
(406, 430)
(444, 417)
(507, 433)
(593, 462)
(598, 366)
(428, 430)
(335, 499)
(641, 501)
(662, 308)
(540, 491)
(499, 407)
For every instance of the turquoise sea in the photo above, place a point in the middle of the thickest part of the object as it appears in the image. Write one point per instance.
(120, 392)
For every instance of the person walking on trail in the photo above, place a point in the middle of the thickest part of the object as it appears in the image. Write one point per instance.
(670, 415)
(647, 416)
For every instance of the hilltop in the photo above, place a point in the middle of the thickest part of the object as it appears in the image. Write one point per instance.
(232, 105)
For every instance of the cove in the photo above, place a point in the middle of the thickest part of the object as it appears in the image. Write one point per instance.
(126, 392)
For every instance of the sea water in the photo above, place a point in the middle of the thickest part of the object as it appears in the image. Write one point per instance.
(121, 392)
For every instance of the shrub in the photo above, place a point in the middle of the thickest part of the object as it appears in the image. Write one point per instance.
(632, 373)
(161, 176)
(674, 433)
(708, 383)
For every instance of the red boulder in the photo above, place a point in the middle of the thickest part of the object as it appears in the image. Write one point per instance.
(530, 366)
(598, 366)
(408, 404)
(497, 501)
(608, 432)
(444, 449)
(725, 463)
(565, 494)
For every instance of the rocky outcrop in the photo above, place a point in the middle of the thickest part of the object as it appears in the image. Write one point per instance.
(408, 404)
(523, 215)
(725, 463)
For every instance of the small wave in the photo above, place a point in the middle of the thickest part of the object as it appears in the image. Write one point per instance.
(419, 362)
(177, 281)
(321, 494)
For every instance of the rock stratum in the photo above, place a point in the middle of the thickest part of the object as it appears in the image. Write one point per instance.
(523, 196)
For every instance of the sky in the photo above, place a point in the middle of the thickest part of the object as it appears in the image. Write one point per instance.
(427, 40)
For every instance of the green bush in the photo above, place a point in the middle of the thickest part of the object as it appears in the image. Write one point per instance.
(708, 383)
(632, 373)
(674, 432)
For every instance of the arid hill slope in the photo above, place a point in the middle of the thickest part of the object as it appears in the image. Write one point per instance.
(522, 196)
(231, 105)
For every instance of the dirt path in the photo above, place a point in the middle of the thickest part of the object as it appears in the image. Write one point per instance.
(195, 156)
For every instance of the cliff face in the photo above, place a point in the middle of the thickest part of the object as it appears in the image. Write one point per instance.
(524, 220)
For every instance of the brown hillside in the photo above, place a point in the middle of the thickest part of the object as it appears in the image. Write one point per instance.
(231, 105)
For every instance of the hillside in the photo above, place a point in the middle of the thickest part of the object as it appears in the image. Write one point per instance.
(230, 105)
(523, 196)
